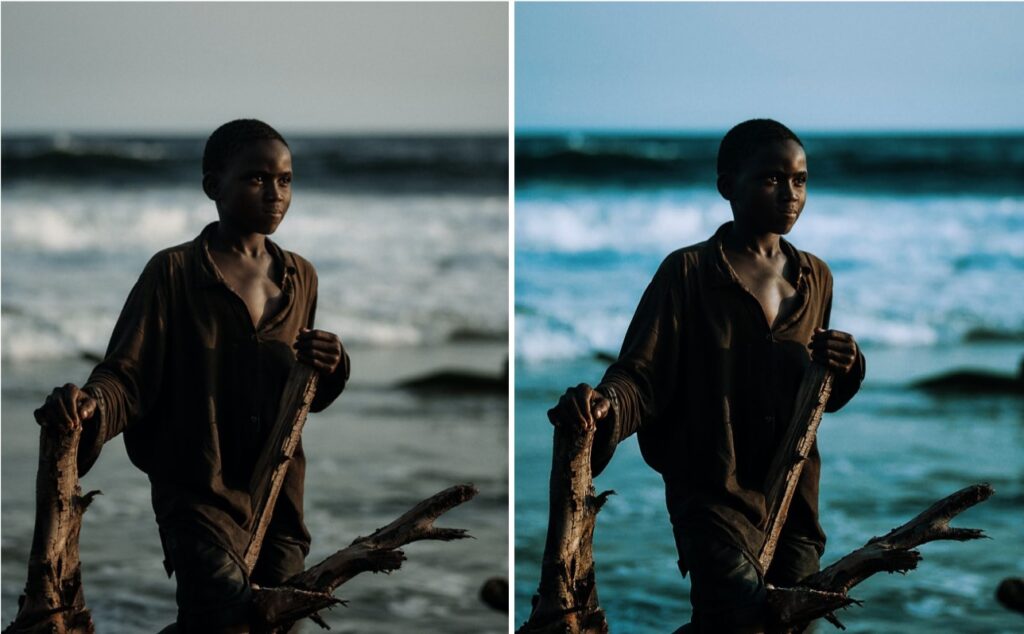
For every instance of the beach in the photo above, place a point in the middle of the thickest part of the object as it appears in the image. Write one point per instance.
(413, 276)
(926, 260)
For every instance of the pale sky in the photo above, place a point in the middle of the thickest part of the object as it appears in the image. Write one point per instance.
(316, 67)
(814, 66)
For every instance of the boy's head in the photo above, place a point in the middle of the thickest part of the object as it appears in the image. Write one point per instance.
(762, 172)
(247, 171)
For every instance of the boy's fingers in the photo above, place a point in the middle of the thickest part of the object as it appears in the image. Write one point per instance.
(59, 410)
(319, 344)
(600, 407)
(574, 409)
(582, 399)
(86, 407)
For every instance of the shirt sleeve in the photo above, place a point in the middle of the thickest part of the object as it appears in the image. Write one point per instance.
(127, 382)
(329, 386)
(844, 386)
(639, 384)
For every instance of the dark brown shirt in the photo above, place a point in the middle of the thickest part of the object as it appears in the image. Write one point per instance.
(195, 387)
(708, 386)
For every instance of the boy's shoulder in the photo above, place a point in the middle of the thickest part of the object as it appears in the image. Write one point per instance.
(817, 266)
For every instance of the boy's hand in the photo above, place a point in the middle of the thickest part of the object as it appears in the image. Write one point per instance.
(320, 349)
(67, 407)
(581, 406)
(834, 349)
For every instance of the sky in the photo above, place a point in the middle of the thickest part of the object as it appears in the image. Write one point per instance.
(820, 66)
(310, 67)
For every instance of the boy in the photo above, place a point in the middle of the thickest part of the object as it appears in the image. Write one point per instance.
(194, 374)
(708, 374)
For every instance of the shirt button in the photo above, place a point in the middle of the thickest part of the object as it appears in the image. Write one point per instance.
(255, 420)
(254, 338)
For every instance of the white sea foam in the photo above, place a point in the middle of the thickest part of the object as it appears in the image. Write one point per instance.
(394, 270)
(908, 270)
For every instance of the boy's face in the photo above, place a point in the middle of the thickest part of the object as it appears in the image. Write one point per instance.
(254, 189)
(769, 190)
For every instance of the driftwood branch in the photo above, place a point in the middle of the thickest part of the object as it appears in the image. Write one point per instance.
(54, 601)
(825, 591)
(566, 599)
(305, 593)
(784, 472)
(272, 465)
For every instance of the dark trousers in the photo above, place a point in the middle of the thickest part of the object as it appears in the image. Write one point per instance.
(727, 592)
(213, 589)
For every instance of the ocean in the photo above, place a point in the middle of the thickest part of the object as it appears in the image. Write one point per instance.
(410, 239)
(925, 238)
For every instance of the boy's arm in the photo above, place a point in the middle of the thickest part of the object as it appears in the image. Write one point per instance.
(126, 384)
(639, 384)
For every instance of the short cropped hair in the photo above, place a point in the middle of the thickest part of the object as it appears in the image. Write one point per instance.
(745, 138)
(231, 137)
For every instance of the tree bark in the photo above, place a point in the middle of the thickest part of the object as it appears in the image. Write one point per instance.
(54, 601)
(566, 599)
(272, 465)
(821, 593)
(785, 470)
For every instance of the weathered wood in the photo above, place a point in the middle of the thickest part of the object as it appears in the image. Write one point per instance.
(566, 599)
(788, 464)
(892, 552)
(272, 465)
(305, 593)
(54, 601)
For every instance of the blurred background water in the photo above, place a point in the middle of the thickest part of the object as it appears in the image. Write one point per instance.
(409, 235)
(925, 238)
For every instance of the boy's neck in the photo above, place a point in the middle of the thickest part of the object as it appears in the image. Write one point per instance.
(741, 239)
(225, 238)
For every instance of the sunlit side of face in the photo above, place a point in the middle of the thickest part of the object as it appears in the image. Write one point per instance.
(254, 190)
(768, 192)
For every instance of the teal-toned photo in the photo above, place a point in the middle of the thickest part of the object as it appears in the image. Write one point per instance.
(709, 198)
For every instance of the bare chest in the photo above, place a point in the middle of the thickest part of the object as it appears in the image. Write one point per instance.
(253, 283)
(769, 285)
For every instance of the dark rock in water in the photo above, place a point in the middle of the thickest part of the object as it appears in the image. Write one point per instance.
(972, 382)
(90, 356)
(1011, 593)
(494, 593)
(605, 357)
(463, 335)
(457, 382)
(991, 334)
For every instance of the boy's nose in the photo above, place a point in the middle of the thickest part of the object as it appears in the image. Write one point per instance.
(273, 191)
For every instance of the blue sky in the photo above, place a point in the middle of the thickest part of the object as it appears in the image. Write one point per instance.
(820, 66)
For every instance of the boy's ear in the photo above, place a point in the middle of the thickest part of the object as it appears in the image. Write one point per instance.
(211, 185)
(725, 182)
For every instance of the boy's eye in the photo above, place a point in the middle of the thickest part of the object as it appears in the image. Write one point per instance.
(800, 181)
(772, 179)
(285, 180)
(257, 178)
